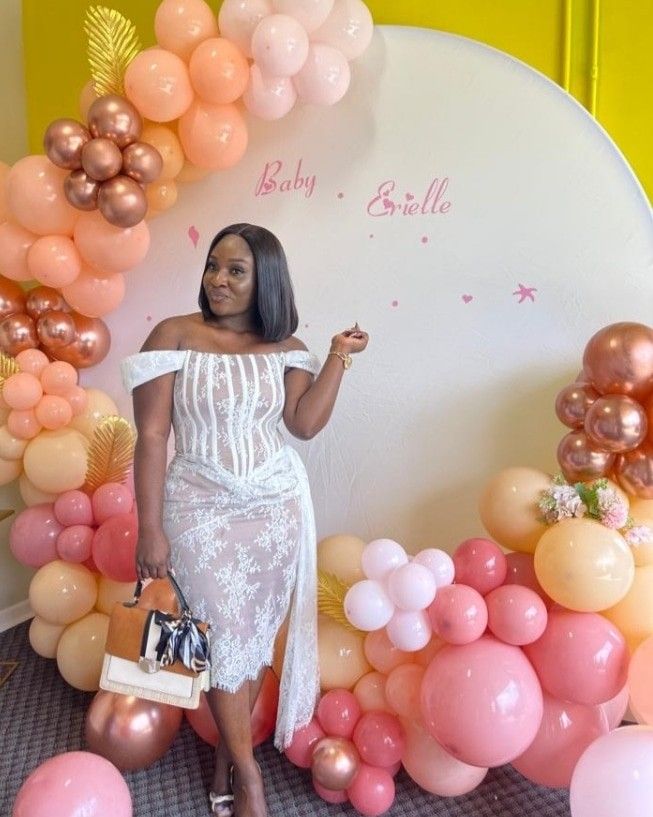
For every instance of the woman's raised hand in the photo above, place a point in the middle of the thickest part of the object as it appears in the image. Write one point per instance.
(351, 341)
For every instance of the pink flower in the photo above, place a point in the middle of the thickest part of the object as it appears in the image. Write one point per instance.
(613, 512)
(639, 535)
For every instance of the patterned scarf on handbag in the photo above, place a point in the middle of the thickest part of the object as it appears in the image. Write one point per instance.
(181, 640)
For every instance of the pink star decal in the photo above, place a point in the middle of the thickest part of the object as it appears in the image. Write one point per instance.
(524, 293)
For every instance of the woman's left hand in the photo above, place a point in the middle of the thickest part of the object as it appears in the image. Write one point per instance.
(351, 341)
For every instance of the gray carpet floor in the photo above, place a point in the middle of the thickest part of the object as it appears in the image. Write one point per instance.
(41, 716)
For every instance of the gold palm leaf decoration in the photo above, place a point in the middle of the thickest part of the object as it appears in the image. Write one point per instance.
(5, 513)
(8, 366)
(112, 45)
(331, 593)
(110, 454)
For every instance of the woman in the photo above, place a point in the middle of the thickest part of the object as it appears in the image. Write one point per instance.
(233, 516)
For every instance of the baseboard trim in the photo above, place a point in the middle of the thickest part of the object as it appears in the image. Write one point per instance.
(16, 614)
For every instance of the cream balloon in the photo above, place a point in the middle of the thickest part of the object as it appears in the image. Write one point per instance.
(44, 636)
(56, 461)
(61, 592)
(80, 651)
(633, 615)
(98, 407)
(9, 470)
(111, 593)
(11, 448)
(341, 555)
(341, 655)
(30, 494)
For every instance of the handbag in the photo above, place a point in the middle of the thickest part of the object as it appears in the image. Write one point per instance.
(155, 655)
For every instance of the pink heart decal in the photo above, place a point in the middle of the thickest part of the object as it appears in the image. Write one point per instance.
(193, 235)
(409, 197)
(468, 298)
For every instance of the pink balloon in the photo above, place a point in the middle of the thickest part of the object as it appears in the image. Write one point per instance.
(403, 689)
(279, 45)
(338, 712)
(439, 563)
(77, 398)
(158, 84)
(114, 547)
(565, 732)
(58, 377)
(109, 248)
(54, 261)
(408, 630)
(581, 657)
(521, 570)
(74, 543)
(74, 783)
(458, 614)
(381, 557)
(372, 792)
(214, 137)
(329, 795)
(412, 587)
(367, 605)
(310, 13)
(482, 702)
(268, 97)
(32, 361)
(434, 769)
(36, 197)
(33, 535)
(370, 692)
(300, 751)
(616, 708)
(218, 71)
(382, 654)
(481, 564)
(516, 614)
(237, 20)
(22, 391)
(379, 738)
(15, 243)
(73, 508)
(181, 25)
(53, 412)
(348, 28)
(325, 76)
(95, 295)
(110, 499)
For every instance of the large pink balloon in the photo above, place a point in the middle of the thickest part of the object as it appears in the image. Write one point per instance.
(109, 248)
(213, 136)
(237, 20)
(338, 712)
(15, 243)
(565, 732)
(482, 701)
(348, 28)
(33, 535)
(458, 614)
(74, 783)
(372, 792)
(480, 563)
(95, 295)
(158, 84)
(379, 738)
(36, 197)
(581, 657)
(114, 547)
(324, 77)
(269, 97)
(516, 614)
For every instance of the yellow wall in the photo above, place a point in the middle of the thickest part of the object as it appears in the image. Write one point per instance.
(532, 30)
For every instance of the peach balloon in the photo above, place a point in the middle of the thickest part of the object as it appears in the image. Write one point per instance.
(56, 461)
(9, 470)
(402, 690)
(382, 653)
(237, 20)
(509, 510)
(633, 615)
(95, 296)
(213, 136)
(4, 206)
(15, 243)
(36, 197)
(98, 407)
(62, 592)
(23, 424)
(91, 345)
(80, 651)
(87, 97)
(370, 692)
(77, 398)
(11, 448)
(58, 377)
(218, 71)
(109, 248)
(17, 332)
(341, 655)
(161, 196)
(424, 656)
(640, 671)
(181, 25)
(165, 140)
(22, 391)
(341, 555)
(583, 565)
(44, 637)
(12, 298)
(53, 412)
(191, 173)
(32, 361)
(111, 593)
(54, 261)
(157, 83)
(269, 97)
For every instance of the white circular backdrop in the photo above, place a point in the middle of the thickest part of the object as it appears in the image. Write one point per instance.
(475, 220)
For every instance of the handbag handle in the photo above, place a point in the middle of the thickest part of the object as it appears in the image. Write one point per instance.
(180, 596)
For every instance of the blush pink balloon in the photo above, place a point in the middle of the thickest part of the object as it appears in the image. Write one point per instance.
(310, 13)
(36, 197)
(181, 25)
(381, 557)
(110, 499)
(349, 28)
(74, 783)
(338, 712)
(95, 295)
(367, 605)
(481, 564)
(73, 508)
(565, 732)
(74, 543)
(237, 20)
(324, 77)
(459, 614)
(213, 137)
(372, 792)
(158, 84)
(279, 45)
(300, 751)
(109, 248)
(409, 630)
(218, 71)
(22, 391)
(581, 657)
(328, 795)
(402, 690)
(114, 547)
(382, 654)
(15, 243)
(412, 587)
(521, 570)
(482, 701)
(439, 563)
(516, 614)
(32, 361)
(23, 424)
(77, 398)
(370, 692)
(57, 377)
(379, 738)
(268, 97)
(33, 535)
(53, 412)
(54, 261)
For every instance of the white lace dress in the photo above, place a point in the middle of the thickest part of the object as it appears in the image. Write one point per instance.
(239, 517)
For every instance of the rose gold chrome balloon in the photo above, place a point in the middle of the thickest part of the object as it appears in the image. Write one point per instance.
(114, 117)
(12, 298)
(17, 332)
(63, 143)
(55, 329)
(634, 471)
(142, 162)
(42, 299)
(81, 190)
(616, 423)
(91, 344)
(580, 460)
(130, 732)
(122, 201)
(101, 159)
(619, 360)
(335, 763)
(572, 403)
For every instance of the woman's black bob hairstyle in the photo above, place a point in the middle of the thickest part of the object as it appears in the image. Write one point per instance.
(276, 311)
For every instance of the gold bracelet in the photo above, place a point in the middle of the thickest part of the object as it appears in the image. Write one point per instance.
(346, 358)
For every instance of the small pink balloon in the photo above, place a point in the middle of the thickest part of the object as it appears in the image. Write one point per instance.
(237, 21)
(73, 508)
(402, 690)
(338, 712)
(381, 557)
(77, 398)
(370, 692)
(349, 28)
(109, 248)
(439, 563)
(279, 45)
(379, 738)
(53, 411)
(521, 570)
(310, 13)
(300, 751)
(110, 499)
(54, 261)
(458, 614)
(267, 97)
(33, 535)
(481, 564)
(382, 654)
(367, 605)
(15, 243)
(328, 795)
(372, 792)
(408, 630)
(22, 391)
(181, 25)
(74, 543)
(325, 76)
(516, 614)
(158, 84)
(32, 361)
(23, 424)
(58, 377)
(214, 137)
(411, 587)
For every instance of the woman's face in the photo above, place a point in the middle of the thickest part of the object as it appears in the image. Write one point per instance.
(229, 279)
